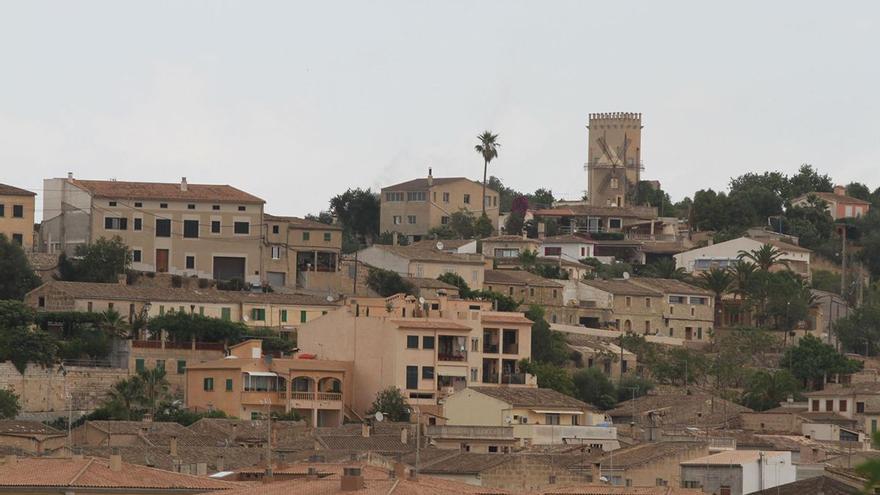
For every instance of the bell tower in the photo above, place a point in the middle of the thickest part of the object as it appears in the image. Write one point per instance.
(614, 163)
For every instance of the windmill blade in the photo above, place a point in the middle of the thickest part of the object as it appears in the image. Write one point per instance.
(612, 157)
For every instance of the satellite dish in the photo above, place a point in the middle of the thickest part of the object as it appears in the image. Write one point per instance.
(422, 301)
(245, 317)
(626, 275)
(379, 416)
(439, 245)
(329, 298)
(508, 420)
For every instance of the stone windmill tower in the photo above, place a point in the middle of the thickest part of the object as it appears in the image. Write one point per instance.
(614, 158)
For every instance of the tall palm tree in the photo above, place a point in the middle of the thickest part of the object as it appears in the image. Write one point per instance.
(155, 387)
(125, 393)
(742, 272)
(114, 324)
(665, 268)
(488, 148)
(765, 257)
(719, 282)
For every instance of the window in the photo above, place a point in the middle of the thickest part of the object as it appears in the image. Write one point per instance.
(276, 229)
(427, 372)
(161, 310)
(615, 183)
(2, 210)
(241, 228)
(873, 426)
(397, 219)
(475, 344)
(138, 224)
(163, 227)
(647, 302)
(661, 482)
(190, 262)
(17, 211)
(446, 197)
(444, 220)
(255, 416)
(860, 407)
(531, 292)
(242, 208)
(551, 419)
(628, 301)
(138, 204)
(412, 377)
(163, 205)
(411, 219)
(724, 490)
(283, 316)
(614, 223)
(327, 237)
(412, 341)
(829, 405)
(136, 255)
(258, 314)
(41, 302)
(303, 316)
(276, 252)
(208, 384)
(510, 291)
(677, 300)
(394, 196)
(699, 333)
(842, 405)
(215, 207)
(427, 342)
(139, 365)
(306, 236)
(18, 239)
(416, 196)
(552, 251)
(699, 300)
(181, 366)
(191, 229)
(467, 199)
(815, 405)
(160, 364)
(115, 223)
(215, 226)
(475, 373)
(229, 384)
(225, 314)
(89, 306)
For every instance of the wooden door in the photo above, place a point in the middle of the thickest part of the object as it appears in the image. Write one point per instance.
(161, 260)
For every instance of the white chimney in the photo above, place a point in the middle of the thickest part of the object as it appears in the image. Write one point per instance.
(430, 177)
(183, 183)
(69, 175)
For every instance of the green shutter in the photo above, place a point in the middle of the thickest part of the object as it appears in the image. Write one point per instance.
(181, 366)
(225, 314)
(229, 384)
(208, 384)
(202, 310)
(302, 316)
(139, 365)
(283, 316)
(161, 310)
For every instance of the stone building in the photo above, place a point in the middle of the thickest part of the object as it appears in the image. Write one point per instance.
(614, 161)
(17, 215)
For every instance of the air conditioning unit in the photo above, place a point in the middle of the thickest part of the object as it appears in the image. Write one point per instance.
(523, 420)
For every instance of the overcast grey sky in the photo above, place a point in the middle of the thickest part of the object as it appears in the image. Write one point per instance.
(297, 101)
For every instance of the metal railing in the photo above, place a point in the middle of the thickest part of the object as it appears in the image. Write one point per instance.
(513, 379)
(490, 348)
(302, 395)
(329, 396)
(455, 356)
(511, 349)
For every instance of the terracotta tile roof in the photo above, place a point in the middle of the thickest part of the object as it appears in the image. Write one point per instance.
(229, 456)
(220, 193)
(621, 490)
(867, 388)
(448, 244)
(644, 453)
(787, 247)
(422, 184)
(429, 283)
(670, 286)
(677, 408)
(518, 277)
(430, 324)
(824, 484)
(118, 292)
(7, 190)
(13, 427)
(417, 253)
(96, 473)
(830, 196)
(567, 239)
(532, 397)
(285, 433)
(501, 318)
(300, 223)
(622, 288)
(510, 238)
(464, 463)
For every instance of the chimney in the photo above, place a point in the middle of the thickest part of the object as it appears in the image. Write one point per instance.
(69, 175)
(115, 462)
(183, 184)
(148, 418)
(220, 463)
(201, 469)
(352, 479)
(122, 279)
(404, 435)
(840, 190)
(172, 450)
(596, 472)
(399, 470)
(430, 178)
(365, 430)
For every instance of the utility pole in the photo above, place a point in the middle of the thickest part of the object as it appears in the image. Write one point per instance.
(843, 262)
(268, 403)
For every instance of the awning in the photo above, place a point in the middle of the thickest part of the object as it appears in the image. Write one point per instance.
(554, 411)
(261, 373)
(452, 371)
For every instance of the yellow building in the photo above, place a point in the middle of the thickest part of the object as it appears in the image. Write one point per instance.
(247, 385)
(425, 262)
(414, 207)
(426, 350)
(613, 157)
(204, 230)
(298, 249)
(17, 215)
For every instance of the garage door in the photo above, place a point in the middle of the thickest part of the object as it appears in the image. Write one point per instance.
(228, 268)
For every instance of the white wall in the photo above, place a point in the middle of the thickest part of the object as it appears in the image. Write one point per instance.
(570, 251)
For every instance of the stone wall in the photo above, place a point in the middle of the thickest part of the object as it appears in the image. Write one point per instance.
(530, 472)
(41, 390)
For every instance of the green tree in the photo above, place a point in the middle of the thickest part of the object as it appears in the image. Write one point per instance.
(767, 389)
(391, 404)
(541, 198)
(463, 224)
(22, 346)
(185, 327)
(547, 346)
(859, 331)
(631, 386)
(501, 302)
(719, 282)
(811, 361)
(9, 404)
(488, 149)
(357, 210)
(123, 396)
(464, 291)
(387, 283)
(680, 366)
(870, 469)
(789, 299)
(549, 376)
(593, 387)
(18, 276)
(514, 223)
(807, 180)
(665, 268)
(155, 386)
(826, 280)
(101, 261)
(765, 257)
(15, 314)
(483, 227)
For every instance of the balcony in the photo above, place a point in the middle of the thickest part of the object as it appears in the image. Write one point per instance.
(513, 379)
(568, 434)
(471, 432)
(259, 397)
(490, 348)
(452, 356)
(490, 377)
(511, 348)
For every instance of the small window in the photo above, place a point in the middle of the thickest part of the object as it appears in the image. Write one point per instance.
(327, 236)
(411, 219)
(531, 292)
(241, 228)
(191, 229)
(843, 405)
(412, 341)
(181, 366)
(138, 204)
(303, 316)
(614, 223)
(18, 211)
(283, 316)
(306, 236)
(113, 203)
(208, 384)
(860, 407)
(18, 239)
(116, 223)
(190, 262)
(397, 219)
(229, 384)
(427, 372)
(467, 199)
(225, 314)
(628, 301)
(163, 227)
(136, 255)
(276, 229)
(446, 197)
(416, 196)
(215, 226)
(241, 208)
(163, 205)
(89, 306)
(160, 364)
(215, 207)
(276, 252)
(258, 314)
(190, 206)
(139, 365)
(138, 224)
(428, 342)
(41, 302)
(444, 220)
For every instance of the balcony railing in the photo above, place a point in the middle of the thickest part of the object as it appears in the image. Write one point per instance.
(490, 348)
(513, 379)
(511, 349)
(329, 396)
(455, 356)
(490, 377)
(302, 395)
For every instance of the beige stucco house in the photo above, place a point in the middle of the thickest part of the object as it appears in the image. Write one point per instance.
(298, 249)
(503, 247)
(414, 207)
(427, 351)
(17, 215)
(425, 262)
(204, 230)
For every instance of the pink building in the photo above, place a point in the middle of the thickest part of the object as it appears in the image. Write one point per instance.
(839, 204)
